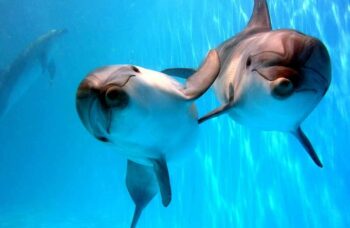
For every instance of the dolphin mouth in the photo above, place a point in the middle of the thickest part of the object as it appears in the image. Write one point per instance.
(318, 79)
(95, 117)
(261, 75)
(100, 120)
(305, 90)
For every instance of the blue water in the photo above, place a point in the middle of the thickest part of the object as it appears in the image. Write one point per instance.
(54, 174)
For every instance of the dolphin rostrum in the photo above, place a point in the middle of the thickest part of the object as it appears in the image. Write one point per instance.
(145, 115)
(269, 80)
(14, 80)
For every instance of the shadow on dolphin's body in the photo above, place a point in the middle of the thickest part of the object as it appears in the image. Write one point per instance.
(16, 78)
(145, 115)
(268, 80)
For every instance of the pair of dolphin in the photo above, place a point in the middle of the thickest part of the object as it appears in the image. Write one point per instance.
(16, 78)
(265, 79)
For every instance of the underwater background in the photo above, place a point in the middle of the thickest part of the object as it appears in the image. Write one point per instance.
(53, 173)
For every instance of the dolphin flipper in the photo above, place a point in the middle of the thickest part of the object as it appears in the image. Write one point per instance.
(51, 68)
(43, 62)
(161, 170)
(142, 186)
(260, 18)
(199, 82)
(180, 72)
(299, 134)
(220, 110)
(216, 112)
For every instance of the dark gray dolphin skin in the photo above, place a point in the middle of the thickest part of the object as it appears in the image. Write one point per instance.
(269, 80)
(13, 79)
(146, 116)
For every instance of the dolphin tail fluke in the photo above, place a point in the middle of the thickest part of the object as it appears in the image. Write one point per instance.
(142, 186)
(299, 134)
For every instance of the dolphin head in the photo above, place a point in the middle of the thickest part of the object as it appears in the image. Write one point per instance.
(134, 109)
(291, 63)
(282, 76)
(102, 96)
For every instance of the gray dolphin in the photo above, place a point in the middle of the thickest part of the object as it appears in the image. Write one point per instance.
(14, 81)
(270, 80)
(145, 115)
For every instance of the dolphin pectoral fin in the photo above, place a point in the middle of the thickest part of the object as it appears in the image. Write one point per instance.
(215, 113)
(43, 62)
(299, 134)
(221, 110)
(51, 68)
(142, 186)
(161, 170)
(47, 66)
(203, 78)
(179, 72)
(260, 18)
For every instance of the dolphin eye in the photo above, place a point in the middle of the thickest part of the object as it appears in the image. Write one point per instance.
(249, 61)
(134, 68)
(116, 97)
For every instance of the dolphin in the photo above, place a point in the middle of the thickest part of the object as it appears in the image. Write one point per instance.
(145, 115)
(268, 79)
(14, 80)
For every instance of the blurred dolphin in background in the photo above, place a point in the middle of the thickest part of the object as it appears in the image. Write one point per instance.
(16, 79)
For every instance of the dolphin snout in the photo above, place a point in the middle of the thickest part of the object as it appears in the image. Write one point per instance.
(94, 103)
(282, 88)
(283, 80)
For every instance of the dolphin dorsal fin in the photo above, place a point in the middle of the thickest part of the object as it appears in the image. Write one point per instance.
(260, 18)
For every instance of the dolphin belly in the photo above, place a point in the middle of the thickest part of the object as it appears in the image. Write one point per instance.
(162, 133)
(264, 112)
